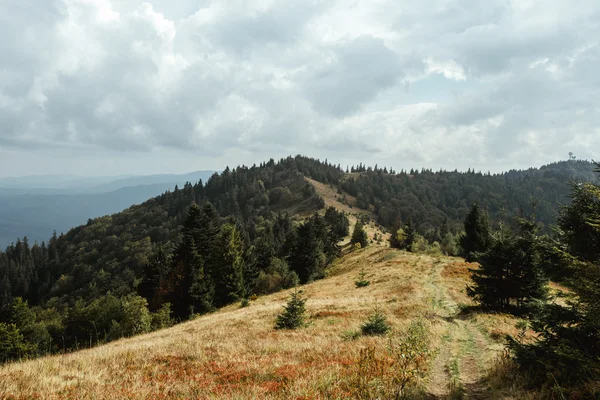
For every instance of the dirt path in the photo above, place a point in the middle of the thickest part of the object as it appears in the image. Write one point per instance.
(464, 351)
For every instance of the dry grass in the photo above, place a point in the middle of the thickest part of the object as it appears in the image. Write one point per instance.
(236, 354)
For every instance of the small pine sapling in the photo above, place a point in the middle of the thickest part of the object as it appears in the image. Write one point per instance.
(362, 282)
(376, 324)
(292, 316)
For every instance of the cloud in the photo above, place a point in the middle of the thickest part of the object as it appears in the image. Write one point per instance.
(448, 83)
(354, 73)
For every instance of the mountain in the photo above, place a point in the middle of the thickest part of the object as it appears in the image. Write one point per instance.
(70, 184)
(252, 231)
(257, 220)
(36, 212)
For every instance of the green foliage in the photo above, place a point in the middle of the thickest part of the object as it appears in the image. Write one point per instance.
(276, 277)
(477, 236)
(293, 314)
(12, 343)
(428, 198)
(362, 281)
(411, 354)
(82, 285)
(403, 238)
(376, 324)
(511, 275)
(136, 318)
(313, 246)
(448, 245)
(244, 303)
(229, 265)
(359, 235)
(161, 319)
(566, 354)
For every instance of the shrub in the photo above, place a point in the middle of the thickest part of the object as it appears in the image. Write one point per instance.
(376, 324)
(362, 282)
(136, 317)
(244, 303)
(162, 317)
(293, 313)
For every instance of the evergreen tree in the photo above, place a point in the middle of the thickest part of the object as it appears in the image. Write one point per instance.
(410, 236)
(229, 266)
(307, 249)
(476, 238)
(293, 314)
(444, 229)
(155, 274)
(359, 235)
(510, 275)
(567, 351)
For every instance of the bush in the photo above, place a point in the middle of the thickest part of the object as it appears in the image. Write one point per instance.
(293, 313)
(162, 318)
(136, 317)
(244, 303)
(376, 324)
(362, 282)
(277, 277)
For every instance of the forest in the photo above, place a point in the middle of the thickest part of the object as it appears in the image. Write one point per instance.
(245, 232)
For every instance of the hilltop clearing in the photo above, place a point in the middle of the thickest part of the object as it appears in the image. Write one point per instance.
(235, 353)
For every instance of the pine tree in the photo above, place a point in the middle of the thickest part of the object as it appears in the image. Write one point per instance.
(293, 314)
(476, 238)
(410, 236)
(155, 274)
(510, 275)
(567, 352)
(307, 249)
(359, 235)
(229, 266)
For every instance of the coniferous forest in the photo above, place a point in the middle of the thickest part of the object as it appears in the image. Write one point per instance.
(256, 230)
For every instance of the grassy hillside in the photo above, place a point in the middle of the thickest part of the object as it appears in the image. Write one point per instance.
(235, 353)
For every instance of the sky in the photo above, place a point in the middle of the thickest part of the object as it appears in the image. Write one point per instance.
(114, 87)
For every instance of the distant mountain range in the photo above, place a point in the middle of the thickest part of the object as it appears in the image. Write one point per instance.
(35, 206)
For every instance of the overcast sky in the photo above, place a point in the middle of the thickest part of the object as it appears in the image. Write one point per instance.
(101, 87)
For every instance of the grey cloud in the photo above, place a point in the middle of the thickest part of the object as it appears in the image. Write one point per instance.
(361, 69)
(273, 77)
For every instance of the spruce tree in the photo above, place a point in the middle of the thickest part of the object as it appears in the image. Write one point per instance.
(292, 316)
(476, 238)
(567, 351)
(307, 249)
(155, 274)
(510, 275)
(359, 235)
(229, 266)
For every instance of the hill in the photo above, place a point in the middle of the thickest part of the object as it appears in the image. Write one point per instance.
(235, 352)
(427, 198)
(257, 232)
(35, 212)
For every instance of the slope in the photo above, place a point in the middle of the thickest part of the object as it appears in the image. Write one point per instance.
(235, 353)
